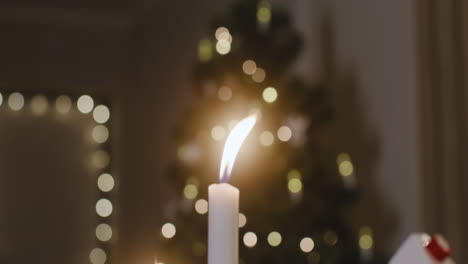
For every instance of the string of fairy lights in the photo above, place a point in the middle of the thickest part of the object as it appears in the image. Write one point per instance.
(190, 153)
(39, 105)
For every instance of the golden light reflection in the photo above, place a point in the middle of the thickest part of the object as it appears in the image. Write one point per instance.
(39, 105)
(270, 95)
(284, 133)
(307, 245)
(266, 138)
(259, 75)
(233, 144)
(295, 185)
(225, 93)
(103, 232)
(98, 256)
(101, 114)
(106, 182)
(264, 12)
(104, 207)
(218, 133)
(274, 239)
(366, 240)
(249, 67)
(168, 230)
(346, 168)
(16, 101)
(219, 31)
(85, 104)
(242, 220)
(250, 239)
(201, 206)
(100, 134)
(63, 104)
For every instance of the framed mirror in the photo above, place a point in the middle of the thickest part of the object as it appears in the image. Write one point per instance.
(57, 188)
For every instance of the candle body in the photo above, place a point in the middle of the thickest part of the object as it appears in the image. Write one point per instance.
(223, 224)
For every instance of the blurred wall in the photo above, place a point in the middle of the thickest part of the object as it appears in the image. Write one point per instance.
(376, 42)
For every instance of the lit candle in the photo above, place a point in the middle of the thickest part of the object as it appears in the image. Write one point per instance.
(223, 213)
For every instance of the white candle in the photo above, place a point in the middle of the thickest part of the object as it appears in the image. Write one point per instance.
(223, 212)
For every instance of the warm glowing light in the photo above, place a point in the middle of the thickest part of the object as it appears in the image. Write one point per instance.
(264, 13)
(330, 238)
(189, 153)
(101, 159)
(39, 104)
(346, 168)
(259, 75)
(294, 174)
(233, 144)
(307, 244)
(205, 50)
(100, 134)
(85, 104)
(295, 185)
(190, 191)
(342, 157)
(104, 207)
(225, 93)
(201, 206)
(226, 36)
(106, 182)
(249, 67)
(366, 240)
(1, 99)
(250, 239)
(221, 31)
(97, 256)
(266, 138)
(232, 124)
(223, 47)
(242, 220)
(168, 230)
(63, 104)
(218, 133)
(270, 94)
(103, 232)
(101, 114)
(16, 101)
(284, 133)
(274, 239)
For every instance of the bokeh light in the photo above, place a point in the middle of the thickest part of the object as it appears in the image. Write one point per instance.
(223, 47)
(168, 230)
(295, 185)
(218, 133)
(205, 50)
(104, 232)
(225, 93)
(100, 134)
(366, 240)
(249, 67)
(106, 182)
(104, 207)
(250, 239)
(259, 75)
(101, 159)
(264, 12)
(346, 168)
(270, 94)
(1, 99)
(307, 244)
(85, 104)
(190, 191)
(242, 220)
(189, 152)
(266, 138)
(330, 238)
(220, 32)
(284, 133)
(342, 157)
(39, 104)
(274, 239)
(199, 249)
(98, 256)
(101, 114)
(16, 101)
(63, 104)
(294, 174)
(201, 206)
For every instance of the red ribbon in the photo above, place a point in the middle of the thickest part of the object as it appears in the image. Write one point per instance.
(437, 250)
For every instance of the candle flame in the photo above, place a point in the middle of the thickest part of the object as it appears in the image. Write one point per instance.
(233, 144)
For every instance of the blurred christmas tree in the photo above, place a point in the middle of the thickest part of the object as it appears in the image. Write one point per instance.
(294, 192)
